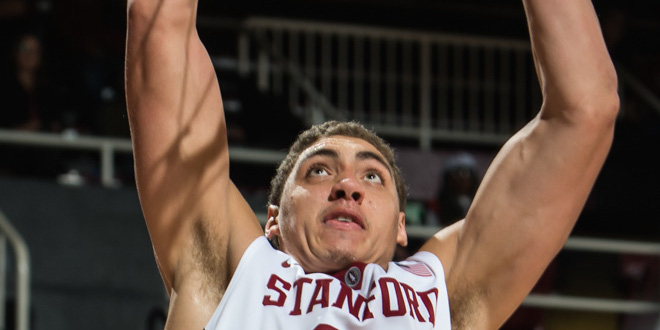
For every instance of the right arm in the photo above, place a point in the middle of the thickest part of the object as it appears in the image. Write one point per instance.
(181, 158)
(536, 186)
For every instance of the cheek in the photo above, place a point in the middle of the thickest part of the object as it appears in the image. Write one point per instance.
(299, 192)
(386, 210)
(298, 202)
(383, 201)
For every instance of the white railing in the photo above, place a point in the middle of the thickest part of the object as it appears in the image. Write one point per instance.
(109, 147)
(22, 293)
(410, 84)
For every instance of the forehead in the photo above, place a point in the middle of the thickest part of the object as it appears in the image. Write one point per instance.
(342, 145)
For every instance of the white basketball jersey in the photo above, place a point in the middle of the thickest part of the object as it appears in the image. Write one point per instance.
(269, 290)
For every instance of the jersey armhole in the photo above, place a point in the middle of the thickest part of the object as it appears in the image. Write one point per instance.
(259, 244)
(433, 262)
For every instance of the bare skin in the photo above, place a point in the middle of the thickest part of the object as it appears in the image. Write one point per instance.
(200, 225)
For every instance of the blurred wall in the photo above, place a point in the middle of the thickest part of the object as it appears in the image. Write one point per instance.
(92, 261)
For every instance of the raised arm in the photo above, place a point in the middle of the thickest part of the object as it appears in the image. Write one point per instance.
(536, 187)
(181, 158)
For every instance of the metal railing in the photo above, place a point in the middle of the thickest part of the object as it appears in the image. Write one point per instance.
(8, 234)
(109, 147)
(411, 84)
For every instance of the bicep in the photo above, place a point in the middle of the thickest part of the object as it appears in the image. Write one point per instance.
(522, 214)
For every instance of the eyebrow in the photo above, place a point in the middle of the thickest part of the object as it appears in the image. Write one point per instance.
(362, 155)
(321, 152)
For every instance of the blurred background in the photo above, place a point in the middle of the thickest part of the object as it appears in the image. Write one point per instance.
(445, 82)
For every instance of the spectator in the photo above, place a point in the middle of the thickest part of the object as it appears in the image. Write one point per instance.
(459, 184)
(27, 100)
(28, 104)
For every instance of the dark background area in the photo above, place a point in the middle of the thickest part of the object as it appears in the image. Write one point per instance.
(83, 46)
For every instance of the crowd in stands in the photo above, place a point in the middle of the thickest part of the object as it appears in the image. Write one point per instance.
(61, 73)
(64, 65)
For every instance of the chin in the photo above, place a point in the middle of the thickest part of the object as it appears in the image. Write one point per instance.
(340, 258)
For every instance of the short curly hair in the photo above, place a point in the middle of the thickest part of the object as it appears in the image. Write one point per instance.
(334, 128)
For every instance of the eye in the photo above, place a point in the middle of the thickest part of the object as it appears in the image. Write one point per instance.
(317, 171)
(373, 177)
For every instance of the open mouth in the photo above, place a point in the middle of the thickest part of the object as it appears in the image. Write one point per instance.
(344, 219)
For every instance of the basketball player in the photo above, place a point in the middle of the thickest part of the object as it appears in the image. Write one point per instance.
(337, 204)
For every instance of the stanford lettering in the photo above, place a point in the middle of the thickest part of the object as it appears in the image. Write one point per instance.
(298, 284)
(272, 282)
(392, 292)
(346, 295)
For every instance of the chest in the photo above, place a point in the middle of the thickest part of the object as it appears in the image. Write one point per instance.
(364, 297)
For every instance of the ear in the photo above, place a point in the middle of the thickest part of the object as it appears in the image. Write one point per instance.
(272, 227)
(402, 236)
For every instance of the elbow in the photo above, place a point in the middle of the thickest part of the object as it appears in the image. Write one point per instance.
(601, 107)
(593, 100)
(610, 102)
(602, 112)
(612, 109)
(595, 118)
(599, 104)
(607, 110)
(593, 110)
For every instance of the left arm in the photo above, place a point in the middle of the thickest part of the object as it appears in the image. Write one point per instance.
(536, 187)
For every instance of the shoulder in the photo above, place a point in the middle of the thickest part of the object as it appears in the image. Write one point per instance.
(422, 263)
(443, 247)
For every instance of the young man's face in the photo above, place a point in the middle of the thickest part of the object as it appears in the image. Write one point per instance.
(339, 205)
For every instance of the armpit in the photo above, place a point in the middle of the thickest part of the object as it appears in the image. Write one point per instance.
(466, 307)
(208, 261)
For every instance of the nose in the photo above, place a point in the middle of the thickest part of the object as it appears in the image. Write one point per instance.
(347, 188)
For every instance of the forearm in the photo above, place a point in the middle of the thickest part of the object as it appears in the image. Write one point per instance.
(157, 46)
(171, 84)
(574, 67)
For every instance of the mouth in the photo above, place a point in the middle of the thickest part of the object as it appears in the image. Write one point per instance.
(344, 219)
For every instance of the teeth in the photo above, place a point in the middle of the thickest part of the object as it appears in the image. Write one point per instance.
(345, 219)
